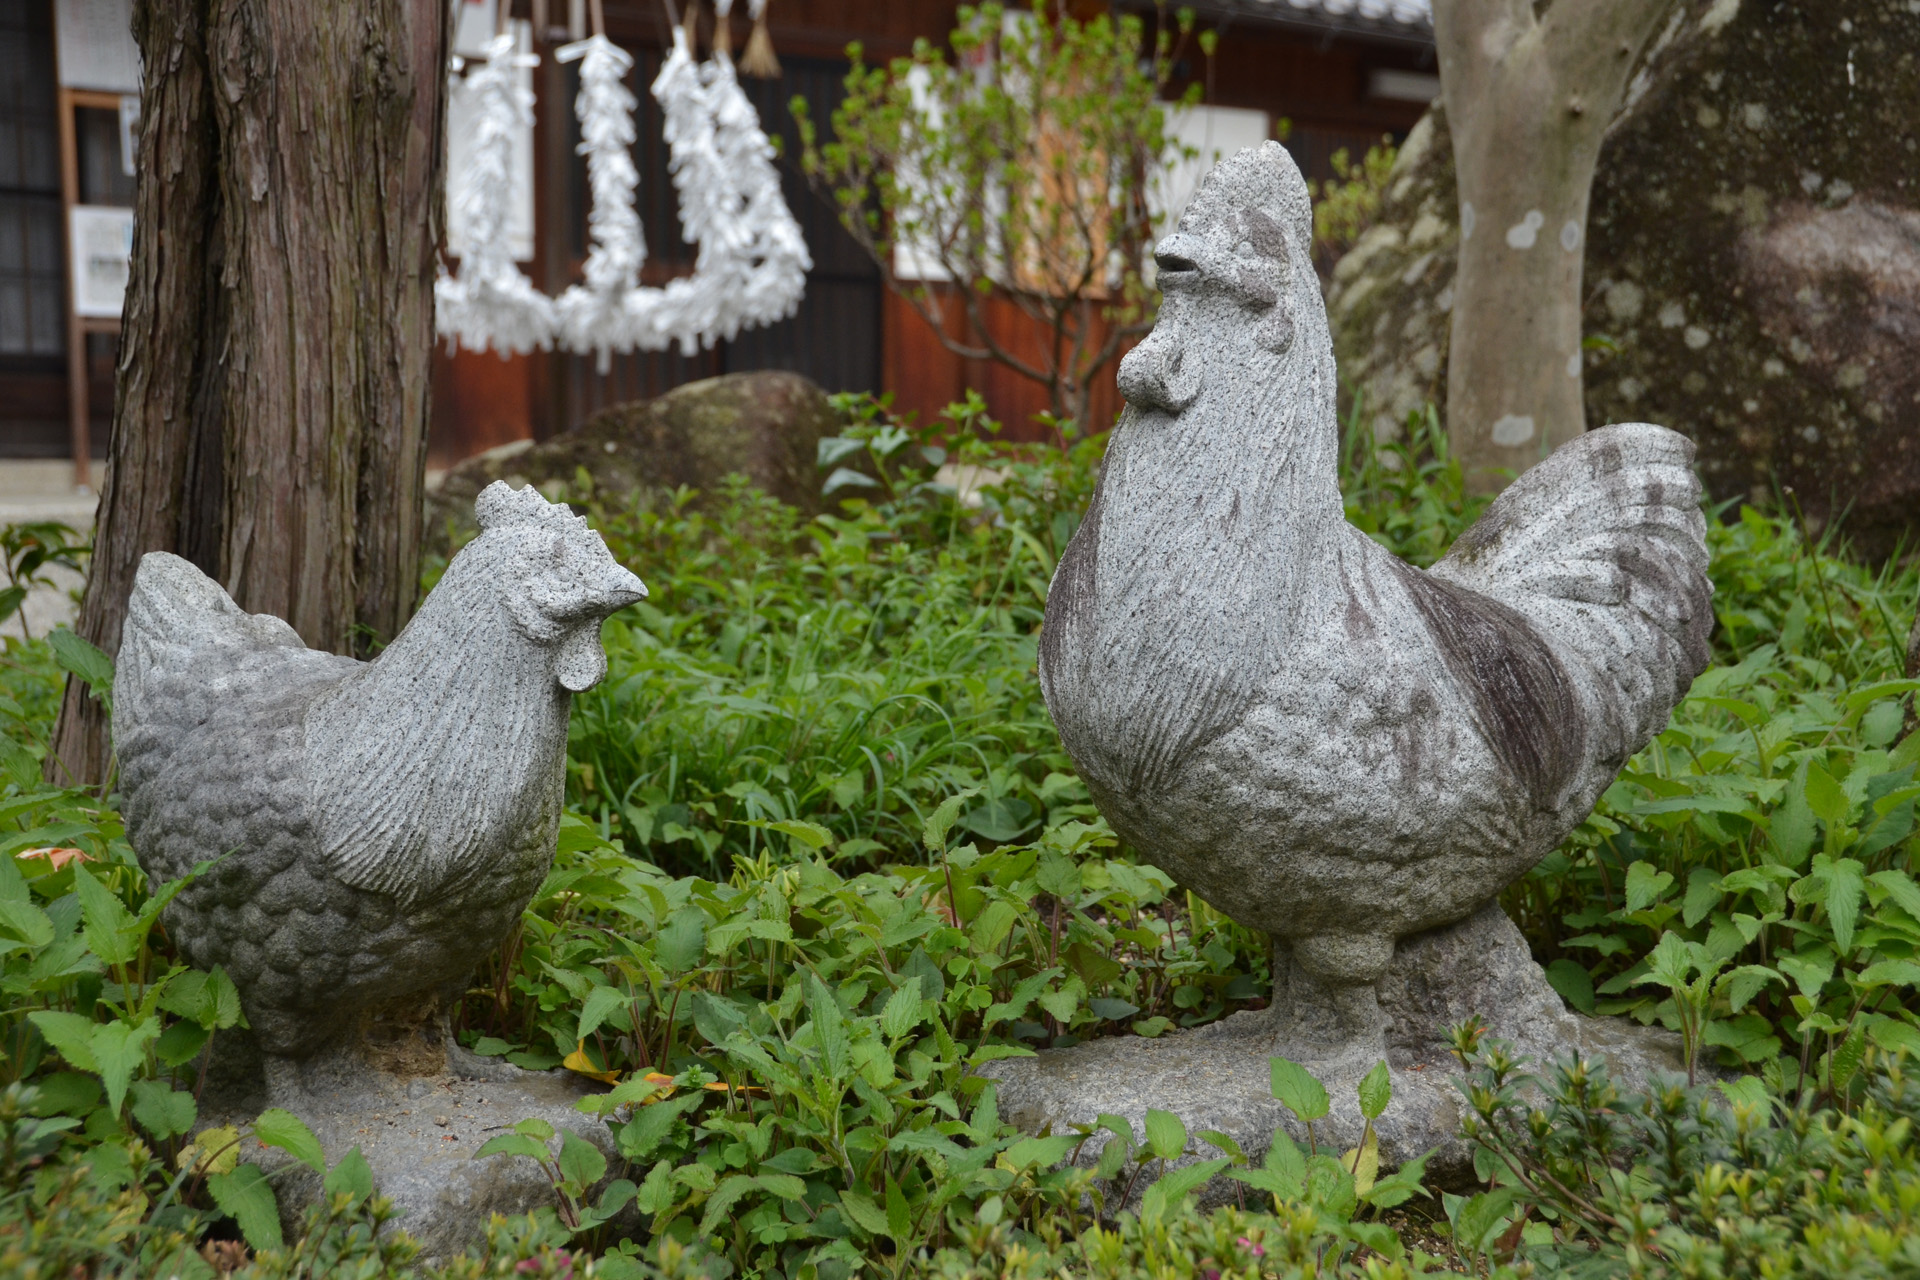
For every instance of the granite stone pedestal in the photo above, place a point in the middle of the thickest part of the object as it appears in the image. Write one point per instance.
(1218, 1077)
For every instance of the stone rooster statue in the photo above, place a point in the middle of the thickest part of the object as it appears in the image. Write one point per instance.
(1324, 742)
(383, 823)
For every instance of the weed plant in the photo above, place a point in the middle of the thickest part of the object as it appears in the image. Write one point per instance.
(824, 857)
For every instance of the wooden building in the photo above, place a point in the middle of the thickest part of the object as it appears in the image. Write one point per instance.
(1342, 73)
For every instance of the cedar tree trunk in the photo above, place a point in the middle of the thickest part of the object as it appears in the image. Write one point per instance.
(1529, 89)
(270, 411)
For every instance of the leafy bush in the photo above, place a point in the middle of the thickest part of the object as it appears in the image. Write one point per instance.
(1748, 880)
(1733, 1179)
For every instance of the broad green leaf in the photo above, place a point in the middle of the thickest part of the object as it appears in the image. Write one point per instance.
(1826, 798)
(1846, 885)
(247, 1197)
(1810, 971)
(1166, 1135)
(899, 1215)
(1791, 824)
(1041, 1153)
(1847, 1057)
(1481, 1218)
(1222, 1142)
(1744, 983)
(1899, 886)
(863, 1212)
(600, 1003)
(1376, 1091)
(514, 1144)
(280, 1128)
(209, 999)
(70, 1033)
(902, 1012)
(76, 656)
(682, 941)
(162, 1110)
(111, 930)
(1645, 886)
(829, 1028)
(22, 920)
(1888, 973)
(581, 1163)
(651, 1124)
(784, 1185)
(1894, 1037)
(181, 1043)
(940, 822)
(1180, 1183)
(351, 1176)
(1703, 895)
(810, 834)
(1575, 985)
(1294, 1086)
(119, 1050)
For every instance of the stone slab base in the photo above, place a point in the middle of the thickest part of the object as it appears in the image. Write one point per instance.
(1217, 1077)
(418, 1130)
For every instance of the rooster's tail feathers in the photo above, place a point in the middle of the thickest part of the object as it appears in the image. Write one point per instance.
(1602, 546)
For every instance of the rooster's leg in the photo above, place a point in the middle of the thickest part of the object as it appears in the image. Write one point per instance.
(1326, 1003)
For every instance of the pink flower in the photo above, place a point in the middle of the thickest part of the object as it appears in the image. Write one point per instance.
(1252, 1248)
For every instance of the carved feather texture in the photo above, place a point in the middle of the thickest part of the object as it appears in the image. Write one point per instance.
(374, 828)
(1603, 546)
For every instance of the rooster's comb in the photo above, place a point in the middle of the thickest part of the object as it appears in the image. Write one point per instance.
(500, 506)
(1255, 191)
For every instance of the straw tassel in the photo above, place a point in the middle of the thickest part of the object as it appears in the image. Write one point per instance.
(722, 28)
(759, 60)
(691, 25)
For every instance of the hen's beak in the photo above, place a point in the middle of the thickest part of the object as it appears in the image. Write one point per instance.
(622, 589)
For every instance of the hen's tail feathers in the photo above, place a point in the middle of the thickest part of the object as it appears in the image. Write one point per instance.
(175, 607)
(1602, 546)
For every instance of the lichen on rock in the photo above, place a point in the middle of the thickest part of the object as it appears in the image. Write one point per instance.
(1752, 261)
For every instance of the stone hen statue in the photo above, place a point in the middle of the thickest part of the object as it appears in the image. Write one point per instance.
(383, 823)
(1324, 742)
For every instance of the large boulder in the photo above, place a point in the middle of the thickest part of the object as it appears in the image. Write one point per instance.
(1752, 263)
(765, 426)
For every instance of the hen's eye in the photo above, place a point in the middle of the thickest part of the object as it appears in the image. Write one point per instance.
(1172, 262)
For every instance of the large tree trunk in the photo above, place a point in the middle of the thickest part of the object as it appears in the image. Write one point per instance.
(270, 416)
(1529, 96)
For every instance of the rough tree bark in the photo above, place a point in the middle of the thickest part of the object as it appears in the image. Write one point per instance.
(270, 412)
(1530, 87)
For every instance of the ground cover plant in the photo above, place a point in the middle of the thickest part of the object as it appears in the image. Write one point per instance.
(824, 855)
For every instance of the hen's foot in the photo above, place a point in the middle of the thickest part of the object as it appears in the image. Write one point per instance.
(1326, 1004)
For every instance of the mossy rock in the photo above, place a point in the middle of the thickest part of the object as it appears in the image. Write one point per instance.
(765, 426)
(1752, 264)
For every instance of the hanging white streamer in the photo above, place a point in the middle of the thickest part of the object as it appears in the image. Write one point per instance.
(594, 316)
(490, 303)
(753, 262)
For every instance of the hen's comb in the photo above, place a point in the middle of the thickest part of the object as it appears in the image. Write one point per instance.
(500, 506)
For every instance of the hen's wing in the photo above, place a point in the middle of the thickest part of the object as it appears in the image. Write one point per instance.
(207, 704)
(1602, 547)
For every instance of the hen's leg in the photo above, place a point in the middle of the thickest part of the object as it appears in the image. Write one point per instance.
(1326, 1001)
